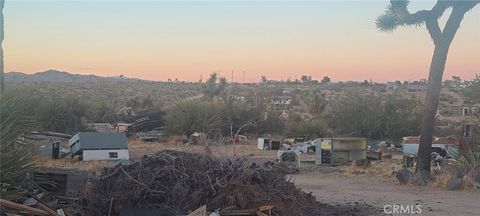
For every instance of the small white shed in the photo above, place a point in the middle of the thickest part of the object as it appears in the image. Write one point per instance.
(99, 146)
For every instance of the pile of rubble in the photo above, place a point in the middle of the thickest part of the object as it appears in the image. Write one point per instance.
(44, 205)
(181, 182)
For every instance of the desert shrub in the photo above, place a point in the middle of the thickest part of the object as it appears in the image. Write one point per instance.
(472, 92)
(375, 116)
(271, 124)
(308, 129)
(16, 158)
(100, 111)
(64, 114)
(186, 118)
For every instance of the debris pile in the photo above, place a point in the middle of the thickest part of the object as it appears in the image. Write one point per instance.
(184, 182)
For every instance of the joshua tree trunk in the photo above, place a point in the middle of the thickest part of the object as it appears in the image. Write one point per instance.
(431, 103)
(442, 41)
(2, 75)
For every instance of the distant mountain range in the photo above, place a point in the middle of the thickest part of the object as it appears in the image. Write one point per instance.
(59, 76)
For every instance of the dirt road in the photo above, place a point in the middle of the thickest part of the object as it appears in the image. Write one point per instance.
(336, 188)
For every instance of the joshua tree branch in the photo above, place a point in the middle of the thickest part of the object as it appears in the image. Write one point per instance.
(453, 22)
(434, 30)
(404, 17)
(439, 8)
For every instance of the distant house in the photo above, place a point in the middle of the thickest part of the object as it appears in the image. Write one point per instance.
(238, 99)
(99, 146)
(101, 127)
(470, 111)
(392, 85)
(284, 115)
(439, 116)
(467, 131)
(287, 91)
(121, 127)
(282, 100)
(416, 88)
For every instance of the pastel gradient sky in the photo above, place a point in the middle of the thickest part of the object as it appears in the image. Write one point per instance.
(158, 40)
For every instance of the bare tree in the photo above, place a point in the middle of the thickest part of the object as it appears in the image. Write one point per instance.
(234, 136)
(397, 15)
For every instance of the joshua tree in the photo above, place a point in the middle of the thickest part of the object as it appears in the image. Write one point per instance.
(397, 15)
(326, 80)
(214, 88)
(2, 75)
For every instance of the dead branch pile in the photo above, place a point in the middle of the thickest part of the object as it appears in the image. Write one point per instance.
(183, 182)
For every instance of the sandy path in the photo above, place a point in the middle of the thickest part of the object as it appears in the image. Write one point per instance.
(336, 188)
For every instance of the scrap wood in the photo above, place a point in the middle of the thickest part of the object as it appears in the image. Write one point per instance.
(23, 208)
(239, 213)
(61, 212)
(183, 181)
(47, 209)
(259, 213)
(202, 211)
(51, 211)
(267, 209)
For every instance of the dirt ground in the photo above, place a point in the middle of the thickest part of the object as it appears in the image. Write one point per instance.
(332, 187)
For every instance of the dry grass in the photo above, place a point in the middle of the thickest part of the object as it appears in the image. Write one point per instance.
(441, 181)
(385, 168)
(74, 163)
(249, 149)
(469, 183)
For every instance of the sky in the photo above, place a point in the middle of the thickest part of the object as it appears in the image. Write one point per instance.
(187, 40)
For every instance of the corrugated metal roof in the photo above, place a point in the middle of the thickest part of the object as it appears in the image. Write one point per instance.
(92, 140)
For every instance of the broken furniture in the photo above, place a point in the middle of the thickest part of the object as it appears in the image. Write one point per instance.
(449, 145)
(267, 143)
(261, 211)
(274, 144)
(63, 179)
(374, 155)
(289, 158)
(198, 138)
(153, 135)
(263, 143)
(333, 151)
